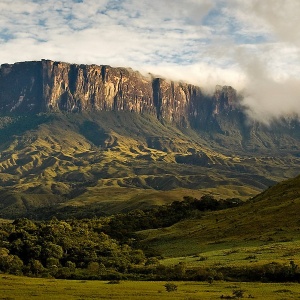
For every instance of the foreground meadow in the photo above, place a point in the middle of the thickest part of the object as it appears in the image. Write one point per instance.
(13, 287)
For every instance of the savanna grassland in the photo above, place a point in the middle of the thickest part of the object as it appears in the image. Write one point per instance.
(271, 217)
(19, 288)
(115, 207)
(195, 239)
(95, 164)
(261, 235)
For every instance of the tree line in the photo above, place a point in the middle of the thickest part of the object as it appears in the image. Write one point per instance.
(104, 247)
(107, 248)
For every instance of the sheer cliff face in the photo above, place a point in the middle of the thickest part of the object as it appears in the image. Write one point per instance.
(87, 88)
(21, 88)
(44, 86)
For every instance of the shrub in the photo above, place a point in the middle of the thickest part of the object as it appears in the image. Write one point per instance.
(202, 258)
(170, 287)
(115, 281)
(238, 293)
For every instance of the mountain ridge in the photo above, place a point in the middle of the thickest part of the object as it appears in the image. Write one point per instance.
(117, 139)
(49, 86)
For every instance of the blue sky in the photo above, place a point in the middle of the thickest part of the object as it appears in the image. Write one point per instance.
(253, 45)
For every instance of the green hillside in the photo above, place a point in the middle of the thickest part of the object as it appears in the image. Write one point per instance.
(264, 230)
(194, 239)
(107, 162)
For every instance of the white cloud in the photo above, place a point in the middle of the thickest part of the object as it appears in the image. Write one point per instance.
(282, 17)
(99, 32)
(271, 65)
(252, 45)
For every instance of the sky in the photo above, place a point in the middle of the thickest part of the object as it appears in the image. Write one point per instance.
(252, 45)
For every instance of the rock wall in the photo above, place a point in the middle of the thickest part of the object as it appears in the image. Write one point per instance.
(21, 87)
(43, 86)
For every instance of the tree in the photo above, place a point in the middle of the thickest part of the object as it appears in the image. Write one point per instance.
(25, 224)
(51, 250)
(10, 263)
(180, 270)
(52, 262)
(70, 265)
(36, 267)
(137, 256)
(93, 268)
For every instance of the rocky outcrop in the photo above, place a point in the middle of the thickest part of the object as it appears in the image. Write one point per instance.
(70, 88)
(225, 99)
(46, 86)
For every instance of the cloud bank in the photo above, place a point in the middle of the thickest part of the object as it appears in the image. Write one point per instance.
(252, 45)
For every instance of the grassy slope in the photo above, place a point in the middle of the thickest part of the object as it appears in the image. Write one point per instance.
(263, 230)
(20, 288)
(120, 161)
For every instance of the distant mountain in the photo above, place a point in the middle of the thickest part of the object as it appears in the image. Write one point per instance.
(111, 139)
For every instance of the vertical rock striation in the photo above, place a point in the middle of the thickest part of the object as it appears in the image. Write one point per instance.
(47, 86)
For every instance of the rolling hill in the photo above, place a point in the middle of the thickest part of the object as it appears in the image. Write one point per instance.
(103, 140)
(265, 230)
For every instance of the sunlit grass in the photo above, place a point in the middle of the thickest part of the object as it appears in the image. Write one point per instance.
(119, 152)
(20, 288)
(272, 218)
(236, 256)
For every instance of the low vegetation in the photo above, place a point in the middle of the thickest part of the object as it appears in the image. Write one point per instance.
(109, 248)
(95, 248)
(23, 288)
(110, 162)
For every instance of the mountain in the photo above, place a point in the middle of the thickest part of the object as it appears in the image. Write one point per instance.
(47, 86)
(109, 139)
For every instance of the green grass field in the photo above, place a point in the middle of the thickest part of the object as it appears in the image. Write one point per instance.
(270, 218)
(19, 288)
(247, 256)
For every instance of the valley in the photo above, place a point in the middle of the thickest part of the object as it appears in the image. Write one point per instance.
(194, 239)
(149, 149)
(110, 175)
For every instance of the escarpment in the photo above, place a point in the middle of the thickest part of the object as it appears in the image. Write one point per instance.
(48, 86)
